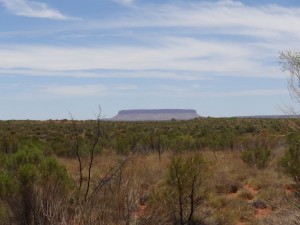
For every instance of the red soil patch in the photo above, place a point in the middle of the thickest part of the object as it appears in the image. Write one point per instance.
(289, 191)
(140, 212)
(241, 223)
(232, 195)
(250, 189)
(261, 213)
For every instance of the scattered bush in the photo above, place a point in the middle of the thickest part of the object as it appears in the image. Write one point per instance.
(291, 160)
(257, 157)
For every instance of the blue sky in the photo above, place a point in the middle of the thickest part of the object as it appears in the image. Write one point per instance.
(218, 57)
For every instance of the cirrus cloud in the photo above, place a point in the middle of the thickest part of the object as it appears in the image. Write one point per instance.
(32, 9)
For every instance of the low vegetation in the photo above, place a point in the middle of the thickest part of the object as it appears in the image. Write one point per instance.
(205, 171)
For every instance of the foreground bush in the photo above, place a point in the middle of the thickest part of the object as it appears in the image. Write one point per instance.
(186, 187)
(33, 188)
(291, 159)
(178, 199)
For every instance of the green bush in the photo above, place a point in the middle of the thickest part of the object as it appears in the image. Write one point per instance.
(257, 157)
(291, 159)
(185, 181)
(8, 185)
(32, 184)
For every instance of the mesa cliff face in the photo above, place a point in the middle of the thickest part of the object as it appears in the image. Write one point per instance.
(155, 114)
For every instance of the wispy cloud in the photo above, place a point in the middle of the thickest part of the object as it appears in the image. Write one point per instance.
(86, 90)
(257, 92)
(32, 9)
(218, 17)
(176, 54)
(125, 2)
(117, 74)
(189, 92)
(75, 90)
(180, 49)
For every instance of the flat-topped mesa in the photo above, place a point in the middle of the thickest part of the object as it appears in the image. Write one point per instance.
(155, 114)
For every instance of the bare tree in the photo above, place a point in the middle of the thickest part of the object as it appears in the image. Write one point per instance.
(89, 189)
(75, 133)
(290, 62)
(157, 143)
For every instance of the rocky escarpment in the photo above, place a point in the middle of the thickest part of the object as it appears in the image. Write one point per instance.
(155, 114)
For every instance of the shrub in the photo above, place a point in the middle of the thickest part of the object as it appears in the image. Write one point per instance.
(257, 157)
(291, 160)
(31, 186)
(185, 181)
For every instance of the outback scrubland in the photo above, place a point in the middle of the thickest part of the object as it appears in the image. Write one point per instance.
(210, 171)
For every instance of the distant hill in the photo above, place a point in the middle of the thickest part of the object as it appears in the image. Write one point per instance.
(155, 114)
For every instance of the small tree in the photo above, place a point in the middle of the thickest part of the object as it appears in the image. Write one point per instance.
(290, 62)
(185, 180)
(157, 143)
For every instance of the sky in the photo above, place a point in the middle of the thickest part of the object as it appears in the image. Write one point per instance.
(218, 57)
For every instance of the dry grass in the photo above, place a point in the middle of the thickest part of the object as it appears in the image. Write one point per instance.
(233, 186)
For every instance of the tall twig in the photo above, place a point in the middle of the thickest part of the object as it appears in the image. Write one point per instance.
(92, 153)
(111, 174)
(77, 149)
